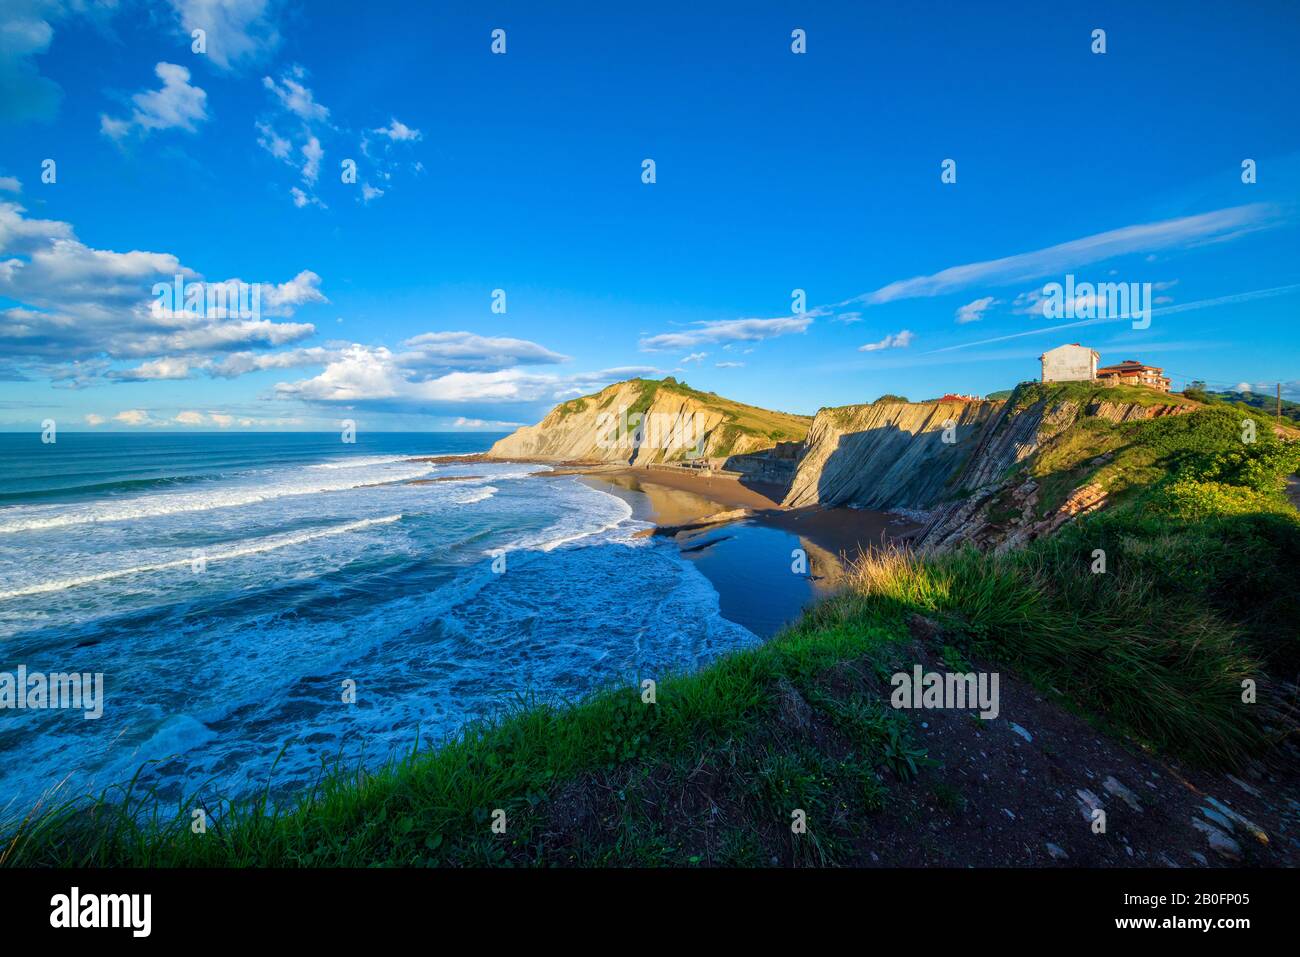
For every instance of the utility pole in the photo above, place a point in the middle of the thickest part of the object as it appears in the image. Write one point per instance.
(1279, 403)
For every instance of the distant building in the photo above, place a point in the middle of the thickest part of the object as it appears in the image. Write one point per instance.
(1072, 363)
(958, 397)
(1132, 372)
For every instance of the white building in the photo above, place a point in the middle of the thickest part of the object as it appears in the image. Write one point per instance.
(1072, 363)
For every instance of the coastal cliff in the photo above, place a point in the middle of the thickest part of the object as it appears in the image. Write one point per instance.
(991, 474)
(995, 474)
(1053, 452)
(887, 455)
(637, 422)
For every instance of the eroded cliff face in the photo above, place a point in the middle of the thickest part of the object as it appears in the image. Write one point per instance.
(887, 455)
(675, 425)
(979, 487)
(1001, 502)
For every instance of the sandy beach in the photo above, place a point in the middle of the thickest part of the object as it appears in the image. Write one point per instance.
(678, 498)
(766, 563)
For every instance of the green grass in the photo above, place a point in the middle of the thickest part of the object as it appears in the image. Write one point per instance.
(1198, 596)
(1259, 401)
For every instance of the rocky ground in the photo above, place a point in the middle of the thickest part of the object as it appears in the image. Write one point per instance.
(1023, 789)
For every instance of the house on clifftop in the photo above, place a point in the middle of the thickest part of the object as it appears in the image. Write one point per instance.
(1072, 363)
(1076, 363)
(1132, 372)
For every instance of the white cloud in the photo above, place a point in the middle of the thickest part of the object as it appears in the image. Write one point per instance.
(442, 370)
(222, 419)
(237, 30)
(10, 184)
(729, 365)
(297, 98)
(464, 423)
(729, 330)
(398, 132)
(165, 368)
(178, 105)
(369, 192)
(189, 418)
(974, 311)
(80, 303)
(1218, 226)
(895, 340)
(273, 142)
(93, 418)
(132, 417)
(301, 199)
(312, 153)
(466, 350)
(693, 357)
(240, 363)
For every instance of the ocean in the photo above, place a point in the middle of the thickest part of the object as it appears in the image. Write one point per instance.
(233, 589)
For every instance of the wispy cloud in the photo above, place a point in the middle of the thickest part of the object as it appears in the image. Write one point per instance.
(895, 340)
(728, 330)
(1186, 231)
(1163, 311)
(974, 311)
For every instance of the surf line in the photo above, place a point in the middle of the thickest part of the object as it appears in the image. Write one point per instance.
(264, 545)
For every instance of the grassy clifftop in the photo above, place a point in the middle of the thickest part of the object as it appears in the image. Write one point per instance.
(1196, 597)
(580, 429)
(744, 419)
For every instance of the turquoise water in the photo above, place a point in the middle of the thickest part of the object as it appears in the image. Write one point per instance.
(227, 586)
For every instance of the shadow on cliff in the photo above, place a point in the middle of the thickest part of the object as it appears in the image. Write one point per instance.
(889, 467)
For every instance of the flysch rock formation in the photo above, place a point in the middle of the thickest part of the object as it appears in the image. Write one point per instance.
(946, 462)
(1013, 435)
(887, 455)
(586, 429)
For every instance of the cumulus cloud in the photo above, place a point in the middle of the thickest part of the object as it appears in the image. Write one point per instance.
(446, 372)
(178, 105)
(241, 363)
(93, 418)
(81, 304)
(895, 340)
(132, 417)
(189, 418)
(166, 368)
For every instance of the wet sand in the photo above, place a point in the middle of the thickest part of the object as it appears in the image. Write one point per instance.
(679, 498)
(766, 563)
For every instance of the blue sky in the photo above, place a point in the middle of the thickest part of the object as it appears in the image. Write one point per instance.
(775, 171)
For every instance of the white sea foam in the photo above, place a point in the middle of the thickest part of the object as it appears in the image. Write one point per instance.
(481, 494)
(255, 547)
(361, 461)
(24, 519)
